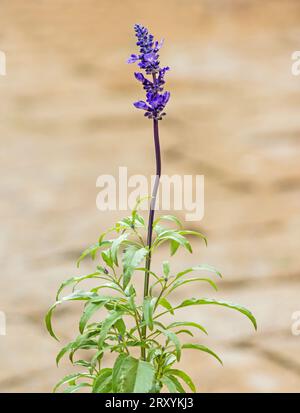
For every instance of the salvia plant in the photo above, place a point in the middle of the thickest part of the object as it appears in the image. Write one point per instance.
(133, 327)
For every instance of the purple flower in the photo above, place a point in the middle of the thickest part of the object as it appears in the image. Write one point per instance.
(141, 105)
(133, 58)
(148, 60)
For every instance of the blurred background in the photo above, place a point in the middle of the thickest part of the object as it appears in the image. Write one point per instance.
(67, 117)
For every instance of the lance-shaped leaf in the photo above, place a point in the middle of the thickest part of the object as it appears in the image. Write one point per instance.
(78, 295)
(73, 389)
(131, 260)
(107, 324)
(187, 324)
(179, 282)
(166, 304)
(170, 218)
(87, 345)
(71, 378)
(202, 348)
(188, 332)
(172, 235)
(185, 377)
(82, 342)
(201, 267)
(92, 250)
(204, 301)
(110, 285)
(131, 375)
(148, 306)
(195, 233)
(171, 336)
(170, 384)
(130, 223)
(103, 382)
(63, 351)
(121, 326)
(76, 280)
(83, 363)
(107, 258)
(166, 268)
(89, 310)
(116, 369)
(116, 243)
(176, 382)
(174, 245)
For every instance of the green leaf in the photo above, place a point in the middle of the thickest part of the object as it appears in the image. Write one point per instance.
(202, 348)
(178, 386)
(131, 260)
(116, 370)
(76, 280)
(188, 332)
(83, 363)
(179, 283)
(63, 351)
(89, 310)
(174, 247)
(201, 301)
(139, 201)
(73, 389)
(139, 221)
(97, 357)
(92, 250)
(187, 324)
(107, 324)
(196, 233)
(185, 377)
(109, 285)
(170, 384)
(116, 243)
(86, 345)
(103, 382)
(81, 342)
(169, 360)
(201, 267)
(172, 337)
(148, 306)
(77, 295)
(171, 218)
(120, 326)
(71, 378)
(166, 304)
(159, 229)
(131, 223)
(106, 256)
(166, 268)
(171, 235)
(131, 375)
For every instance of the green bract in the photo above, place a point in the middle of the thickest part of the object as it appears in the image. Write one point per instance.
(121, 316)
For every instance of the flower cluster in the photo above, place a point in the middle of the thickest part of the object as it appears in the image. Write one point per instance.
(148, 60)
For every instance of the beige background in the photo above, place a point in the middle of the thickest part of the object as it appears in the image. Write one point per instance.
(67, 117)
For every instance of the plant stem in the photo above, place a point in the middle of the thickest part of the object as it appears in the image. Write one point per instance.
(151, 219)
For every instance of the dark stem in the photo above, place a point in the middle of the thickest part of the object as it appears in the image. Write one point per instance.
(151, 219)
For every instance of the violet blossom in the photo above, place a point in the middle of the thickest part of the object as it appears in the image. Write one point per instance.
(148, 60)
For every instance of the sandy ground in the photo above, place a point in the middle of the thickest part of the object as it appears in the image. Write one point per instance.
(66, 118)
